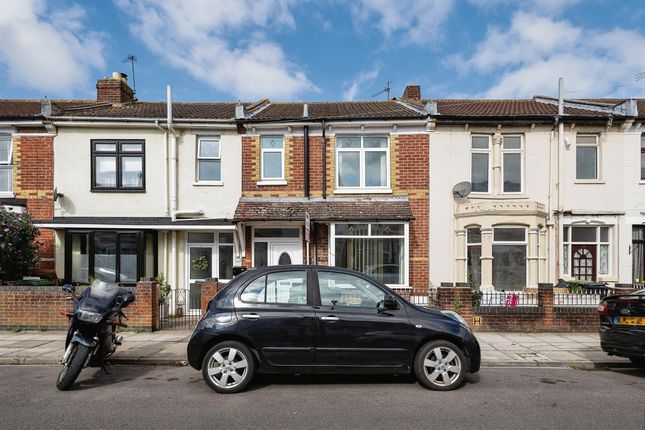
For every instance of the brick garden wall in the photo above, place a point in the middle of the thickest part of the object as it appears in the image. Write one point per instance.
(543, 317)
(30, 307)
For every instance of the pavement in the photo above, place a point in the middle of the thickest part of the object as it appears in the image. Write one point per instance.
(168, 348)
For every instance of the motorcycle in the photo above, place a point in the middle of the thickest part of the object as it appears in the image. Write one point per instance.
(92, 328)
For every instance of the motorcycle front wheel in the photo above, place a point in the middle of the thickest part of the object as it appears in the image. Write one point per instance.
(73, 367)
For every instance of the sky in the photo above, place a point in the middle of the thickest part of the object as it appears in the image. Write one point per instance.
(308, 50)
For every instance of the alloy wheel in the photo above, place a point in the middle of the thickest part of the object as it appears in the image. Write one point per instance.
(442, 366)
(228, 367)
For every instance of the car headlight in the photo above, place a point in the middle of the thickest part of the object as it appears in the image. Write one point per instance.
(456, 316)
(92, 317)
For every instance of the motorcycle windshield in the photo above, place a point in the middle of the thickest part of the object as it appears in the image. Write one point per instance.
(99, 297)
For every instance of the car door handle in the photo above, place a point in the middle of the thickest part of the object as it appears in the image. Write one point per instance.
(329, 318)
(251, 316)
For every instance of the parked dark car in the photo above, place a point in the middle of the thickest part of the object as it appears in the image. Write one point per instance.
(622, 326)
(320, 319)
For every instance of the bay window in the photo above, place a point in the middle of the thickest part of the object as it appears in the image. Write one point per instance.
(509, 258)
(473, 256)
(6, 168)
(111, 256)
(362, 162)
(377, 249)
(642, 157)
(480, 163)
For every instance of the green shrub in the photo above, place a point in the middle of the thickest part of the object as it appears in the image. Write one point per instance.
(19, 250)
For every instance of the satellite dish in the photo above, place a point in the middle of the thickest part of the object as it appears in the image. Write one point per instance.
(462, 189)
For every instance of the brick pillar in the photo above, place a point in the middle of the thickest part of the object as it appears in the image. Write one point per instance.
(145, 309)
(545, 302)
(209, 289)
(458, 299)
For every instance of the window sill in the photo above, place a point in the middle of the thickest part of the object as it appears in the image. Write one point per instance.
(589, 181)
(208, 184)
(116, 191)
(271, 182)
(642, 182)
(7, 195)
(506, 196)
(363, 191)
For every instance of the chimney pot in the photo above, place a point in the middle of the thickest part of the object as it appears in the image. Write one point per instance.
(412, 92)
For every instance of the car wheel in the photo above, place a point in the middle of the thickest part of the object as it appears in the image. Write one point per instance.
(228, 367)
(639, 362)
(440, 365)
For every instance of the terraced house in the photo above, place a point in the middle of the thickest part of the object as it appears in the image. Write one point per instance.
(124, 189)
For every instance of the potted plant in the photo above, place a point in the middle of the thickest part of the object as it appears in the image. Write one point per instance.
(164, 292)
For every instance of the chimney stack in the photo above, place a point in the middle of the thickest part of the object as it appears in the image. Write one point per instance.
(114, 90)
(412, 92)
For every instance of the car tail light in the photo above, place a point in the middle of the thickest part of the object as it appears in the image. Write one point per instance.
(602, 309)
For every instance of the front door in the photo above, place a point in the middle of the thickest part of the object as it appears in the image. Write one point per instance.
(583, 262)
(200, 261)
(351, 330)
(282, 254)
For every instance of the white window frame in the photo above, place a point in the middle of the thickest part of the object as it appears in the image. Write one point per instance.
(598, 242)
(275, 180)
(513, 151)
(406, 247)
(598, 157)
(525, 242)
(468, 245)
(214, 245)
(362, 188)
(199, 158)
(488, 152)
(8, 165)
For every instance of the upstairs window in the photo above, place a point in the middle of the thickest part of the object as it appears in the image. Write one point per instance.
(6, 169)
(118, 165)
(362, 162)
(512, 164)
(209, 167)
(642, 157)
(272, 156)
(480, 164)
(587, 157)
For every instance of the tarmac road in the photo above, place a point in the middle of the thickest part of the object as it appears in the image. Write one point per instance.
(176, 397)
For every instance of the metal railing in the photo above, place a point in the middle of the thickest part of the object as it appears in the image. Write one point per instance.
(180, 310)
(508, 299)
(576, 300)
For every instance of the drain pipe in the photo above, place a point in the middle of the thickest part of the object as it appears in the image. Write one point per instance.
(324, 162)
(560, 154)
(306, 161)
(173, 182)
(165, 167)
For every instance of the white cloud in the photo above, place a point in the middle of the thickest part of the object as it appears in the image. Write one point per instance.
(414, 21)
(528, 57)
(222, 43)
(361, 78)
(48, 50)
(541, 6)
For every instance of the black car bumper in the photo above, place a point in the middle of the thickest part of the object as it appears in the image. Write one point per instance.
(474, 355)
(623, 341)
(196, 348)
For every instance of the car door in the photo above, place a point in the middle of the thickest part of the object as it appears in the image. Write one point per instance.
(351, 330)
(275, 310)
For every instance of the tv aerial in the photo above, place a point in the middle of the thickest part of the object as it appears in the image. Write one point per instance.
(462, 189)
(132, 59)
(387, 90)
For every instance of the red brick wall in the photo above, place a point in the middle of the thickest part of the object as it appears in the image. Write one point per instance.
(34, 181)
(543, 317)
(38, 307)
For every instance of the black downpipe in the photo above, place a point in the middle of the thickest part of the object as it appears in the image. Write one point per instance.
(324, 163)
(306, 149)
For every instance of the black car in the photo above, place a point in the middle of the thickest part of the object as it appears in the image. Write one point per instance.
(622, 326)
(320, 319)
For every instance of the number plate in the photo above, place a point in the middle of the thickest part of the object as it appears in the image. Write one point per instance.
(630, 321)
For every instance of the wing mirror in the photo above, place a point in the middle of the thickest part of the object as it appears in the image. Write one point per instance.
(389, 303)
(128, 298)
(68, 288)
